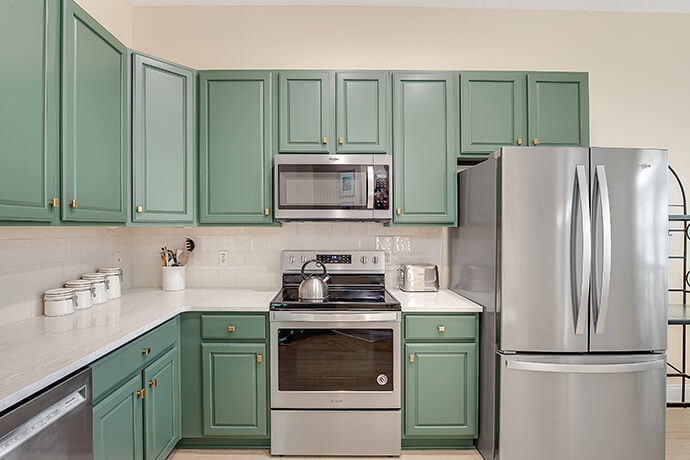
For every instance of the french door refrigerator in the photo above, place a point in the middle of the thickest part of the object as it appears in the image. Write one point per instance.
(566, 250)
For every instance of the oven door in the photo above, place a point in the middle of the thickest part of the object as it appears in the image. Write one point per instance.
(329, 360)
(332, 187)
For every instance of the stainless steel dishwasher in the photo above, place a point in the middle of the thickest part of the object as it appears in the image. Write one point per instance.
(55, 423)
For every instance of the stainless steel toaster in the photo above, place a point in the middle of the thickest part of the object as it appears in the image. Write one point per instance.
(418, 277)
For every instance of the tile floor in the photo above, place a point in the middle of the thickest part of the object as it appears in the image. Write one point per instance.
(677, 447)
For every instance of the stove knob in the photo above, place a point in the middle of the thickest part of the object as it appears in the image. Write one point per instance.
(363, 259)
(292, 259)
(375, 259)
(303, 259)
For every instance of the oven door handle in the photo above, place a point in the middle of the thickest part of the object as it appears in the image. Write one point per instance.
(370, 187)
(329, 317)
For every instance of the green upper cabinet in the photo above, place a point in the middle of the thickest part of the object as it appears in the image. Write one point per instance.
(362, 112)
(304, 112)
(163, 143)
(94, 113)
(235, 158)
(492, 111)
(162, 406)
(117, 423)
(424, 158)
(558, 108)
(234, 380)
(441, 390)
(29, 111)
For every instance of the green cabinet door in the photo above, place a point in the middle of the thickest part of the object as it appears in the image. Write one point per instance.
(94, 107)
(493, 110)
(558, 108)
(234, 389)
(235, 147)
(424, 158)
(441, 390)
(162, 406)
(30, 109)
(118, 425)
(362, 114)
(163, 144)
(304, 112)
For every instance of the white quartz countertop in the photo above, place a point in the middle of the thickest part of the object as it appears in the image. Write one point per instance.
(37, 352)
(442, 301)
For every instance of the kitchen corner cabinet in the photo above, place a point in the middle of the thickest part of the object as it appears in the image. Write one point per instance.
(440, 379)
(424, 158)
(163, 141)
(94, 113)
(30, 109)
(558, 108)
(235, 158)
(304, 111)
(362, 112)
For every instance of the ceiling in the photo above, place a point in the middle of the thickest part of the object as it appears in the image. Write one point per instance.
(661, 6)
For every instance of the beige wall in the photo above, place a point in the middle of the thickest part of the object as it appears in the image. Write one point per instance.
(115, 15)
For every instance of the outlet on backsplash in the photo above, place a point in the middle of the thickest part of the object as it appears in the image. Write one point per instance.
(117, 258)
(223, 257)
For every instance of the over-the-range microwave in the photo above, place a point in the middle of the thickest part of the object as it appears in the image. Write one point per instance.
(332, 187)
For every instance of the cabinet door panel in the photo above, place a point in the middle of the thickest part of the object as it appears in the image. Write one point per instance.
(235, 158)
(424, 148)
(304, 111)
(492, 111)
(162, 406)
(441, 390)
(93, 120)
(118, 425)
(558, 109)
(162, 141)
(361, 112)
(29, 112)
(234, 389)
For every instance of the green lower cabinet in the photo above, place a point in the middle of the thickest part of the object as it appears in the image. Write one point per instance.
(118, 424)
(162, 406)
(441, 390)
(234, 380)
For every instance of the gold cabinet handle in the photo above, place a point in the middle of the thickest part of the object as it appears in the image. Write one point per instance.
(153, 383)
(140, 209)
(141, 393)
(398, 211)
(411, 358)
(231, 328)
(325, 140)
(341, 140)
(146, 351)
(267, 212)
(536, 141)
(519, 141)
(54, 203)
(442, 329)
(259, 358)
(73, 203)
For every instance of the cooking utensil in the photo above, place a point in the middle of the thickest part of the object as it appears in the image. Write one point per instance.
(313, 288)
(187, 252)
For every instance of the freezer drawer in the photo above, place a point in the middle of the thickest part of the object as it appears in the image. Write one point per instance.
(594, 407)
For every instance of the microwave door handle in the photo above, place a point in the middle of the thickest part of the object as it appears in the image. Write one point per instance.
(370, 187)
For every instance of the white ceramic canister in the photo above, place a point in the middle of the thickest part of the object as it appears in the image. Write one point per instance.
(174, 278)
(100, 286)
(85, 292)
(114, 277)
(59, 302)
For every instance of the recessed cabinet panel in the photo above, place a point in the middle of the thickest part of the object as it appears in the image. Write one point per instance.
(361, 112)
(235, 154)
(163, 142)
(162, 406)
(304, 111)
(29, 111)
(424, 148)
(93, 120)
(493, 111)
(558, 109)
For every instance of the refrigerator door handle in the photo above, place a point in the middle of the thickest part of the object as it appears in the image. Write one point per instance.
(603, 301)
(583, 368)
(583, 192)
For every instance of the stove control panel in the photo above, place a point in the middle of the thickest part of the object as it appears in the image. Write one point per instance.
(335, 261)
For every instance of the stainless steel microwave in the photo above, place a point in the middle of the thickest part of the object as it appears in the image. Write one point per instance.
(333, 187)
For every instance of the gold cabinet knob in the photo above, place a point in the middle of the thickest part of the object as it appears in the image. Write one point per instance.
(411, 358)
(231, 328)
(146, 351)
(259, 358)
(325, 140)
(519, 141)
(73, 203)
(398, 211)
(141, 393)
(341, 140)
(267, 212)
(153, 383)
(442, 329)
(536, 141)
(54, 203)
(140, 209)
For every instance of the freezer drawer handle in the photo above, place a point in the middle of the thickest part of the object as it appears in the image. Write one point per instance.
(583, 368)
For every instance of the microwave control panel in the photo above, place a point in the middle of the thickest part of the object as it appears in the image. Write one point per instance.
(381, 186)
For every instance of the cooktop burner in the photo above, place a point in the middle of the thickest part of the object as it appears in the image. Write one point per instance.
(339, 298)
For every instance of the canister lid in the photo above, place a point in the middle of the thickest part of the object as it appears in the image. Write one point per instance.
(79, 285)
(58, 294)
(96, 277)
(110, 271)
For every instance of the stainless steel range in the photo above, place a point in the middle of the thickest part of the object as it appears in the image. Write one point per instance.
(335, 367)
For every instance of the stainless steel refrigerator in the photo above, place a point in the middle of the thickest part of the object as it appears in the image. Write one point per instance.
(566, 249)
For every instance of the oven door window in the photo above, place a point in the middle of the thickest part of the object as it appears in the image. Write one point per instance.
(335, 360)
(322, 186)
